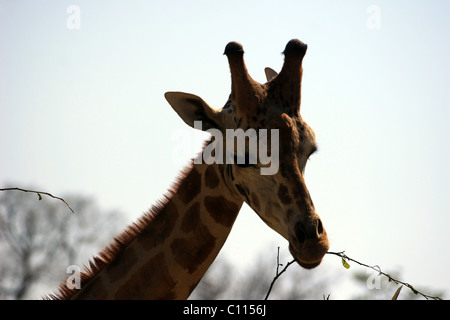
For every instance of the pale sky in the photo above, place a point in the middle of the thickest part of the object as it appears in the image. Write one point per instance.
(82, 110)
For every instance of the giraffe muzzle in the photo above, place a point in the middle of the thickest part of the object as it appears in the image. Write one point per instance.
(310, 243)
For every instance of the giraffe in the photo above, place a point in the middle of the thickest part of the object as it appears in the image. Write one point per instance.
(168, 250)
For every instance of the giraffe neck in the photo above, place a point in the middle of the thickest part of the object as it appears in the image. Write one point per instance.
(169, 250)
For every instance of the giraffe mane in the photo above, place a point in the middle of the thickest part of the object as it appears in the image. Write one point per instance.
(121, 242)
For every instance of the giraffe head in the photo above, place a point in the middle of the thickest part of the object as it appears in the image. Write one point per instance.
(280, 198)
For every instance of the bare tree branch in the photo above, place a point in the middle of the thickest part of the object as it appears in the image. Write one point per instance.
(39, 193)
(346, 258)
(39, 240)
(377, 268)
(278, 274)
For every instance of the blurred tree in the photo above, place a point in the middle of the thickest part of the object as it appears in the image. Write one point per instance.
(40, 239)
(223, 281)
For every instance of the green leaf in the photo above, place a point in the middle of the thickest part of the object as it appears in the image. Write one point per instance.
(40, 197)
(345, 264)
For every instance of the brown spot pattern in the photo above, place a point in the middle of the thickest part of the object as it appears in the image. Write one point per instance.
(211, 178)
(191, 218)
(151, 281)
(190, 187)
(159, 228)
(192, 251)
(221, 210)
(121, 265)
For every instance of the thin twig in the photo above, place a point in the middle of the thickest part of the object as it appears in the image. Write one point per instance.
(39, 193)
(278, 274)
(380, 272)
(346, 258)
(397, 292)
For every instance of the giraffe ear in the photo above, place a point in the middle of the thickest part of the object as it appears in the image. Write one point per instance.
(193, 108)
(270, 73)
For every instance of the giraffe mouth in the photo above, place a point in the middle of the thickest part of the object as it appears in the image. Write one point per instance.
(303, 263)
(308, 265)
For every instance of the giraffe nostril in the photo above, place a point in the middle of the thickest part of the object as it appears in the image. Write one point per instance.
(300, 233)
(312, 231)
(319, 227)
